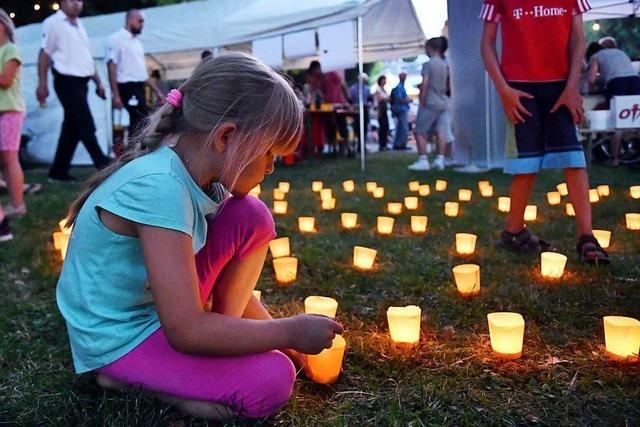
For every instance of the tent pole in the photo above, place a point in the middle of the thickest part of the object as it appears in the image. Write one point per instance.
(363, 132)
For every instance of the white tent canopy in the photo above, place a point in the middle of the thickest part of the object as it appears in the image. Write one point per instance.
(612, 9)
(175, 35)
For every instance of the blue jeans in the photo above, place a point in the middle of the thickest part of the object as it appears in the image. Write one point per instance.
(402, 130)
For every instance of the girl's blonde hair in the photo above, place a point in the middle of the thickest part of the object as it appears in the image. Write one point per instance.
(7, 23)
(234, 87)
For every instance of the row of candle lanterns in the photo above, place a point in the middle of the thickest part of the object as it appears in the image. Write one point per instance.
(506, 334)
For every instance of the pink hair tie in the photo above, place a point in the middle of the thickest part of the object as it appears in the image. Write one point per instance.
(174, 98)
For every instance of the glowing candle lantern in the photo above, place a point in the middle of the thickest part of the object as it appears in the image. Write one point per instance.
(466, 243)
(622, 338)
(483, 184)
(280, 247)
(284, 186)
(633, 221)
(604, 190)
(278, 194)
(363, 258)
(530, 213)
(378, 192)
(316, 186)
(60, 238)
(603, 237)
(385, 225)
(404, 324)
(553, 197)
(552, 264)
(424, 190)
(321, 305)
(394, 208)
(451, 208)
(634, 190)
(255, 191)
(441, 185)
(411, 203)
(467, 277)
(568, 208)
(349, 186)
(62, 224)
(307, 224)
(370, 186)
(349, 220)
(419, 223)
(329, 204)
(280, 207)
(487, 191)
(324, 368)
(562, 189)
(464, 194)
(504, 204)
(593, 195)
(414, 185)
(286, 269)
(326, 193)
(63, 248)
(506, 331)
(257, 294)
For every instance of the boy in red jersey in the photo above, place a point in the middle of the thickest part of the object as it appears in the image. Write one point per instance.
(537, 79)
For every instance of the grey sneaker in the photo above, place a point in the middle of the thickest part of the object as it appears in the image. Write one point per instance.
(11, 210)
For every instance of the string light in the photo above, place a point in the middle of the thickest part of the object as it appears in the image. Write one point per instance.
(55, 6)
(596, 26)
(36, 7)
(12, 15)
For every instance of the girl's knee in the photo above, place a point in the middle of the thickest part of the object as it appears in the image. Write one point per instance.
(272, 388)
(248, 222)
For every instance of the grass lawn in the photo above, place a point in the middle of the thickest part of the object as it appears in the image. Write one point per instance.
(451, 378)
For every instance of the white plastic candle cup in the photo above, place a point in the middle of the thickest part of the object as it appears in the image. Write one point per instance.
(280, 247)
(622, 338)
(467, 278)
(506, 331)
(404, 324)
(349, 220)
(320, 305)
(552, 264)
(385, 225)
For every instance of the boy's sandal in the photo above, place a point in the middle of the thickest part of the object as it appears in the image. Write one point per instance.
(590, 251)
(32, 188)
(524, 242)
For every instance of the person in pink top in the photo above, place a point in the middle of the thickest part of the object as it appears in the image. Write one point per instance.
(334, 91)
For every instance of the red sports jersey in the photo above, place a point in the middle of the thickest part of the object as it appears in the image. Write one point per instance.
(535, 36)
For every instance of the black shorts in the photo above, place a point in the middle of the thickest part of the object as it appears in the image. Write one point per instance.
(622, 86)
(545, 140)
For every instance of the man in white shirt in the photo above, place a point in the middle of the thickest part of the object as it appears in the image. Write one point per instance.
(127, 69)
(67, 50)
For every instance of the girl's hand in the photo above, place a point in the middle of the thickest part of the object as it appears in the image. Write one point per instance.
(312, 333)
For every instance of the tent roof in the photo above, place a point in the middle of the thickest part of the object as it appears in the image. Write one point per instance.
(390, 27)
(611, 9)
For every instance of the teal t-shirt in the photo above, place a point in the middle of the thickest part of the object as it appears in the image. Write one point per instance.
(102, 291)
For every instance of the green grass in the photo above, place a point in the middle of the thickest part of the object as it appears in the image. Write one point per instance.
(563, 377)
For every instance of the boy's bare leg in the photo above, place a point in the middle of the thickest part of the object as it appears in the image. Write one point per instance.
(578, 186)
(520, 192)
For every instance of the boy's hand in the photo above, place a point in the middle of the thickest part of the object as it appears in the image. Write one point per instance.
(571, 99)
(512, 106)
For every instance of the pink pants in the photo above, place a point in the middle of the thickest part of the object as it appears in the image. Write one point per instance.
(254, 385)
(10, 130)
